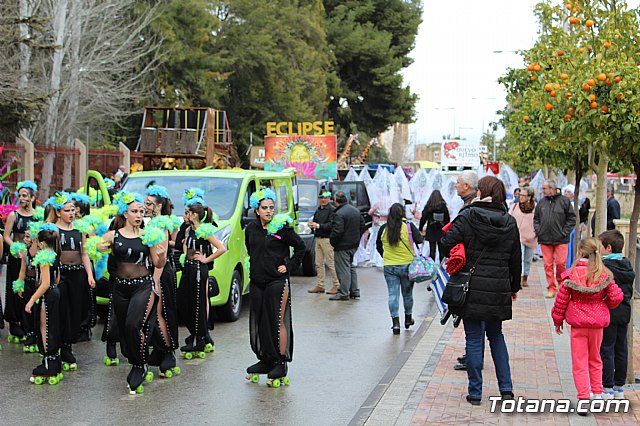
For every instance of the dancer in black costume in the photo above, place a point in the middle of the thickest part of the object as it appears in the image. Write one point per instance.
(199, 245)
(82, 203)
(268, 240)
(46, 312)
(134, 292)
(27, 275)
(76, 276)
(16, 225)
(158, 207)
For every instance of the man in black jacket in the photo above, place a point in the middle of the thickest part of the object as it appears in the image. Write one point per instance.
(346, 229)
(553, 221)
(321, 226)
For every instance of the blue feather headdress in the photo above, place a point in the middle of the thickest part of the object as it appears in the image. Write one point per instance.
(58, 200)
(195, 200)
(81, 198)
(192, 193)
(27, 184)
(263, 194)
(125, 198)
(157, 191)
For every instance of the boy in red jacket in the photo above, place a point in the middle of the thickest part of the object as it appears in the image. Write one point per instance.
(584, 300)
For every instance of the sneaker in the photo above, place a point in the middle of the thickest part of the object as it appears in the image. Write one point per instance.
(593, 396)
(618, 392)
(550, 295)
(316, 290)
(608, 393)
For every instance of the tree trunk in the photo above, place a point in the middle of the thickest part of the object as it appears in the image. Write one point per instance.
(601, 193)
(576, 205)
(26, 10)
(631, 254)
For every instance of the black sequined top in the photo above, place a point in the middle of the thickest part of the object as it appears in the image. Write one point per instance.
(70, 240)
(130, 250)
(198, 244)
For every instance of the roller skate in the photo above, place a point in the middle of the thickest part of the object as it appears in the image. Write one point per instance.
(168, 367)
(112, 356)
(278, 376)
(29, 345)
(16, 335)
(48, 371)
(209, 346)
(67, 357)
(261, 367)
(138, 375)
(155, 357)
(196, 349)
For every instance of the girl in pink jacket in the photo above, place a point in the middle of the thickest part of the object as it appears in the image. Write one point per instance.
(584, 300)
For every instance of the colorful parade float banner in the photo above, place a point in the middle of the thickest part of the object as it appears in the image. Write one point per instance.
(312, 156)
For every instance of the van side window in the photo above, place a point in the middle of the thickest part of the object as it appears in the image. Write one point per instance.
(251, 188)
(283, 199)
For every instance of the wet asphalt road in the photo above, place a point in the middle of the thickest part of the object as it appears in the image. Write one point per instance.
(341, 351)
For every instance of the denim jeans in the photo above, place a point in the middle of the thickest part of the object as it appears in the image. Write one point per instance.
(527, 257)
(397, 278)
(474, 334)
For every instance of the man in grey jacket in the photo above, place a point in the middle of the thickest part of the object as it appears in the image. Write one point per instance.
(346, 229)
(553, 221)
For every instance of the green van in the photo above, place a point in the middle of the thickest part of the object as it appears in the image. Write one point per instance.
(227, 192)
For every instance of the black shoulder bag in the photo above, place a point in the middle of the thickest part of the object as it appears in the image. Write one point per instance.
(455, 291)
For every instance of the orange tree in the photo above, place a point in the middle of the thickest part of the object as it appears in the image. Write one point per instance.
(577, 103)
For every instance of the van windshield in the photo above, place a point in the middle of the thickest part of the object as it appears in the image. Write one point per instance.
(221, 194)
(307, 196)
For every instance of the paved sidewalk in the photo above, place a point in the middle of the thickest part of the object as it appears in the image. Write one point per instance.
(423, 389)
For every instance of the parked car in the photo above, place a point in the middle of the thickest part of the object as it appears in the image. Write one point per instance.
(227, 192)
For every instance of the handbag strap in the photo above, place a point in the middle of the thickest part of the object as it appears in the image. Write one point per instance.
(473, 268)
(411, 239)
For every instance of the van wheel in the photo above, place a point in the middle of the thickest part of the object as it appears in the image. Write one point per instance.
(231, 310)
(309, 263)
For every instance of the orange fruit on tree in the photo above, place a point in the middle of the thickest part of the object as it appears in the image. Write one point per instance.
(581, 111)
(592, 97)
(610, 75)
(593, 105)
(548, 87)
(564, 76)
(608, 82)
(582, 50)
(567, 95)
(567, 117)
(552, 93)
(556, 86)
(607, 45)
(530, 67)
(526, 118)
(569, 6)
(573, 20)
(586, 87)
(536, 67)
(602, 77)
(571, 110)
(560, 53)
(533, 78)
(591, 82)
(605, 109)
(576, 9)
(589, 23)
(548, 107)
(617, 79)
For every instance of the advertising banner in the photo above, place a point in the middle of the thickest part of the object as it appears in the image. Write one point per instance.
(313, 156)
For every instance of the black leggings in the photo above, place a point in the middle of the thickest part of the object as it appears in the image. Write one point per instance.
(194, 297)
(270, 326)
(168, 307)
(134, 306)
(28, 323)
(50, 302)
(432, 249)
(14, 305)
(74, 302)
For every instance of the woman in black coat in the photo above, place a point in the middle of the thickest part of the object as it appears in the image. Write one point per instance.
(492, 243)
(435, 215)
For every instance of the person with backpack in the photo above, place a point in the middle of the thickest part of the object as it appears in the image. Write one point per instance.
(394, 243)
(435, 215)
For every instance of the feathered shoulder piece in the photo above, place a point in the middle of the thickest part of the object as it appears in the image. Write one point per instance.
(205, 231)
(278, 222)
(45, 257)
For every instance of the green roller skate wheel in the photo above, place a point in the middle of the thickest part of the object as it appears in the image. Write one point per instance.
(202, 355)
(149, 377)
(65, 366)
(53, 380)
(107, 361)
(255, 378)
(209, 348)
(176, 371)
(140, 389)
(116, 361)
(74, 367)
(168, 374)
(60, 376)
(188, 355)
(286, 381)
(276, 383)
(25, 349)
(39, 380)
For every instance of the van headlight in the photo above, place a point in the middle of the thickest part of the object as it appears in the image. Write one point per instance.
(303, 228)
(223, 235)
